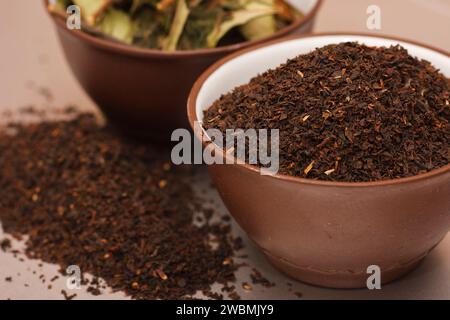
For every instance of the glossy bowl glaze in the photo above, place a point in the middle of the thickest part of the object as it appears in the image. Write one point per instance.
(327, 233)
(144, 91)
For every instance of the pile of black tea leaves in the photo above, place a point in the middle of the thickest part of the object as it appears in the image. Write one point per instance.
(347, 112)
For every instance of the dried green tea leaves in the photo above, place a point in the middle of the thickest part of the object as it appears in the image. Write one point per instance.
(347, 112)
(265, 26)
(91, 10)
(261, 27)
(179, 21)
(118, 25)
(183, 24)
(250, 10)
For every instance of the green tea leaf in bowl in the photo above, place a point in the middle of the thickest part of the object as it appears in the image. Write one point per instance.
(171, 25)
(91, 10)
(262, 27)
(181, 16)
(251, 10)
(118, 24)
(137, 4)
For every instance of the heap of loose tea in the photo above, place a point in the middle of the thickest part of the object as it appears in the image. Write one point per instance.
(347, 112)
(114, 208)
(181, 24)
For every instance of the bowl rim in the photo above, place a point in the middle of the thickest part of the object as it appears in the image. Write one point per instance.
(146, 52)
(192, 114)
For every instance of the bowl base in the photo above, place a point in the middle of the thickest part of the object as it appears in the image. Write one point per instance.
(338, 280)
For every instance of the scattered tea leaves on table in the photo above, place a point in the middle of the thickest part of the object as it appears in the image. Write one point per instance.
(85, 197)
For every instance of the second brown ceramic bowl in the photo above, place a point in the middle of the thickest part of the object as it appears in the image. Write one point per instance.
(327, 233)
(144, 91)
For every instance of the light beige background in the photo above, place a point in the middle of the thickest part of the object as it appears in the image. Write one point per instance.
(32, 66)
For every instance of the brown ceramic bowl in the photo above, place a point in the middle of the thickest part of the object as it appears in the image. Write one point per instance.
(327, 233)
(144, 91)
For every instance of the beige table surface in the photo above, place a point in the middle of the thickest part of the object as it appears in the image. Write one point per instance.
(32, 66)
